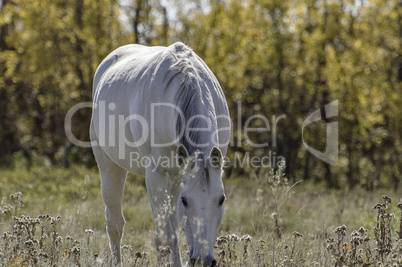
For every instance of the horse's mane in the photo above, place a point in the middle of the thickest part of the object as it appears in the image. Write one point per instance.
(189, 99)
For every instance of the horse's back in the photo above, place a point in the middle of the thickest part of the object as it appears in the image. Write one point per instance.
(128, 81)
(138, 55)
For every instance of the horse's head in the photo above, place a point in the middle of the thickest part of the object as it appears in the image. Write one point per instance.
(200, 203)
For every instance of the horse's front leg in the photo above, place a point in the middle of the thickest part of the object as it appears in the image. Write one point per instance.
(112, 182)
(163, 202)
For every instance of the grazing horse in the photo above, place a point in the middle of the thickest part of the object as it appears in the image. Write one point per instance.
(160, 112)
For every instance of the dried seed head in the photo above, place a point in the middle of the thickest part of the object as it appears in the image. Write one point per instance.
(7, 209)
(221, 252)
(44, 217)
(6, 236)
(234, 238)
(340, 230)
(362, 231)
(42, 254)
(389, 216)
(297, 234)
(387, 199)
(127, 248)
(165, 251)
(138, 254)
(247, 238)
(222, 240)
(89, 231)
(29, 243)
(356, 240)
(379, 206)
(399, 205)
(16, 196)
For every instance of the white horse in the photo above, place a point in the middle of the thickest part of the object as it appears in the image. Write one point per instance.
(155, 109)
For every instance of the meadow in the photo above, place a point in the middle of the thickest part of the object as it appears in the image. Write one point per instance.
(52, 216)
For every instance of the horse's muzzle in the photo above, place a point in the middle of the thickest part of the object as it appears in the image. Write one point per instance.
(209, 260)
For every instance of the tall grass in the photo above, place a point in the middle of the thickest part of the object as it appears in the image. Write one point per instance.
(55, 217)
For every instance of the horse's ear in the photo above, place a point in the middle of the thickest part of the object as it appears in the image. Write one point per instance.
(216, 158)
(182, 155)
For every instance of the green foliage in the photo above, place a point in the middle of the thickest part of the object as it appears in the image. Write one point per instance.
(293, 57)
(50, 50)
(274, 57)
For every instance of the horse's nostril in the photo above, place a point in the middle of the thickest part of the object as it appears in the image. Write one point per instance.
(213, 264)
(192, 261)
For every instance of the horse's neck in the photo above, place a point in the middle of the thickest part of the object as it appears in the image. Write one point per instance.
(200, 131)
(196, 104)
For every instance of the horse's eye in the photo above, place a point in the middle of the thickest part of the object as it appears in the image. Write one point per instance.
(184, 201)
(221, 200)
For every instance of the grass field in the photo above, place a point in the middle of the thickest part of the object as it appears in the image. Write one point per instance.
(59, 221)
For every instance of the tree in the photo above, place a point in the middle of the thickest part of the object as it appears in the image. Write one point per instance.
(293, 57)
